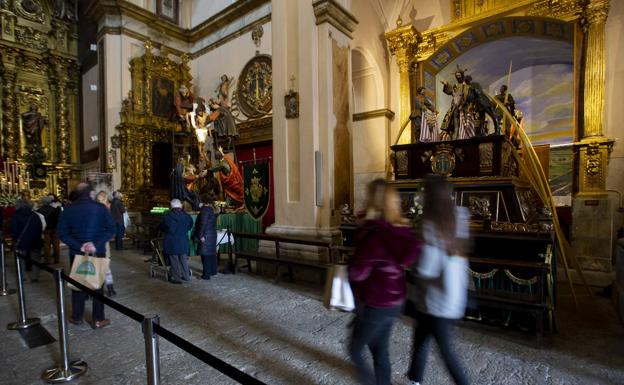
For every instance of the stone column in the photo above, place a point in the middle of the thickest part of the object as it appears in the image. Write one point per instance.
(402, 43)
(310, 41)
(592, 236)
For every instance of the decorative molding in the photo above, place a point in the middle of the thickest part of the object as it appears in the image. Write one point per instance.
(98, 9)
(226, 39)
(223, 18)
(328, 11)
(389, 114)
(255, 131)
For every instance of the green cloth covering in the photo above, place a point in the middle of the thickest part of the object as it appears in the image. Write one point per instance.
(244, 223)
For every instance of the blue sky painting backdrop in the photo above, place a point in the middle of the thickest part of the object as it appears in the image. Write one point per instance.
(542, 82)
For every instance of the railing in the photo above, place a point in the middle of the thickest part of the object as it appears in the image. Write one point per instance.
(68, 370)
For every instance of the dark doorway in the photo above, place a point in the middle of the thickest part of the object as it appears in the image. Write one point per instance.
(162, 164)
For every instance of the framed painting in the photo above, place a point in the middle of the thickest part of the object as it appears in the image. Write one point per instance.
(162, 97)
(168, 10)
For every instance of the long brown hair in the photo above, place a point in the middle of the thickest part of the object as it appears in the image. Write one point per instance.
(439, 209)
(380, 203)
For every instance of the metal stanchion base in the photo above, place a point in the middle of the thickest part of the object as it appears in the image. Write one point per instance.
(30, 322)
(6, 292)
(58, 375)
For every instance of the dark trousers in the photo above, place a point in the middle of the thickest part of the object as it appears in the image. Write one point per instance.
(372, 327)
(78, 302)
(427, 326)
(78, 306)
(179, 267)
(209, 263)
(119, 235)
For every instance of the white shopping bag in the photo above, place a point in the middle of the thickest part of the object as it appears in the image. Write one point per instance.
(338, 294)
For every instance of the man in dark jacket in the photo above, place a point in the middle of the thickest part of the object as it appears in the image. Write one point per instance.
(117, 211)
(176, 225)
(85, 226)
(26, 229)
(206, 236)
(50, 240)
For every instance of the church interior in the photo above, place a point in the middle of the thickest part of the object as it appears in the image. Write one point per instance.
(514, 103)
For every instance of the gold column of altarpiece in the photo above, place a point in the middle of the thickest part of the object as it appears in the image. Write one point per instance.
(140, 127)
(411, 48)
(39, 64)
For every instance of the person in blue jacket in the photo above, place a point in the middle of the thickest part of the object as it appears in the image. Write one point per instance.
(86, 226)
(176, 225)
(26, 229)
(206, 235)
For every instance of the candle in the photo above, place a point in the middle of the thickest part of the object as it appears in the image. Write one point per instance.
(6, 167)
(28, 180)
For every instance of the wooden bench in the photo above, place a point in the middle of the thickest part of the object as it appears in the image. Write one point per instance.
(277, 258)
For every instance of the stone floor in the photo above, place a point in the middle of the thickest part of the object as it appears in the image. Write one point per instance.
(283, 335)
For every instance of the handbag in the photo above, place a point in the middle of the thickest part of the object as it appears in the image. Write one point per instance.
(338, 294)
(89, 271)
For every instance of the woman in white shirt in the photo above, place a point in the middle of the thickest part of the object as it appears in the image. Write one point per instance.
(440, 287)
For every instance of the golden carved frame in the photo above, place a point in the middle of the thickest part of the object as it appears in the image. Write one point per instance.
(587, 19)
(139, 128)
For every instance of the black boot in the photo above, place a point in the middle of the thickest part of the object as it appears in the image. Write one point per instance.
(111, 290)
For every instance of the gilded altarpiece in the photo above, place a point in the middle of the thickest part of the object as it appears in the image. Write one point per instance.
(39, 65)
(146, 120)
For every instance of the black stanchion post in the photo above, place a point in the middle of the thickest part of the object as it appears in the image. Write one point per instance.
(23, 322)
(67, 371)
(4, 290)
(152, 356)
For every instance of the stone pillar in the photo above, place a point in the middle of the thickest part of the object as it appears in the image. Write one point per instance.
(402, 43)
(592, 213)
(310, 42)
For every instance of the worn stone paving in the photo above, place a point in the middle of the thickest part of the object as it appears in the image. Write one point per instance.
(283, 335)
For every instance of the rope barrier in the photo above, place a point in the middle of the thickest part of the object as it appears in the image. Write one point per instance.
(206, 357)
(216, 363)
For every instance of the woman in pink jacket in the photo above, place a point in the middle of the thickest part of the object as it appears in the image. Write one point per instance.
(384, 245)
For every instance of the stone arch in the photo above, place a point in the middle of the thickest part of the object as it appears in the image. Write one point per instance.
(367, 82)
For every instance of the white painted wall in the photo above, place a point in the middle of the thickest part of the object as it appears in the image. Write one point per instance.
(203, 9)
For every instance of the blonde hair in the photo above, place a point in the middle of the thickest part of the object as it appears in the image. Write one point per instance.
(379, 204)
(102, 197)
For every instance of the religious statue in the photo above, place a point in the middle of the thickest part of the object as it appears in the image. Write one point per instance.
(182, 179)
(65, 9)
(224, 123)
(424, 118)
(32, 124)
(183, 105)
(508, 101)
(223, 90)
(482, 107)
(231, 179)
(458, 122)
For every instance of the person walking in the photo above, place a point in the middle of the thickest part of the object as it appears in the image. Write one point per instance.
(206, 236)
(102, 197)
(50, 239)
(440, 287)
(27, 229)
(117, 210)
(384, 246)
(85, 226)
(176, 225)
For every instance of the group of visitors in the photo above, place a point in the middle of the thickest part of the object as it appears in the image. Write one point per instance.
(176, 226)
(84, 223)
(385, 247)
